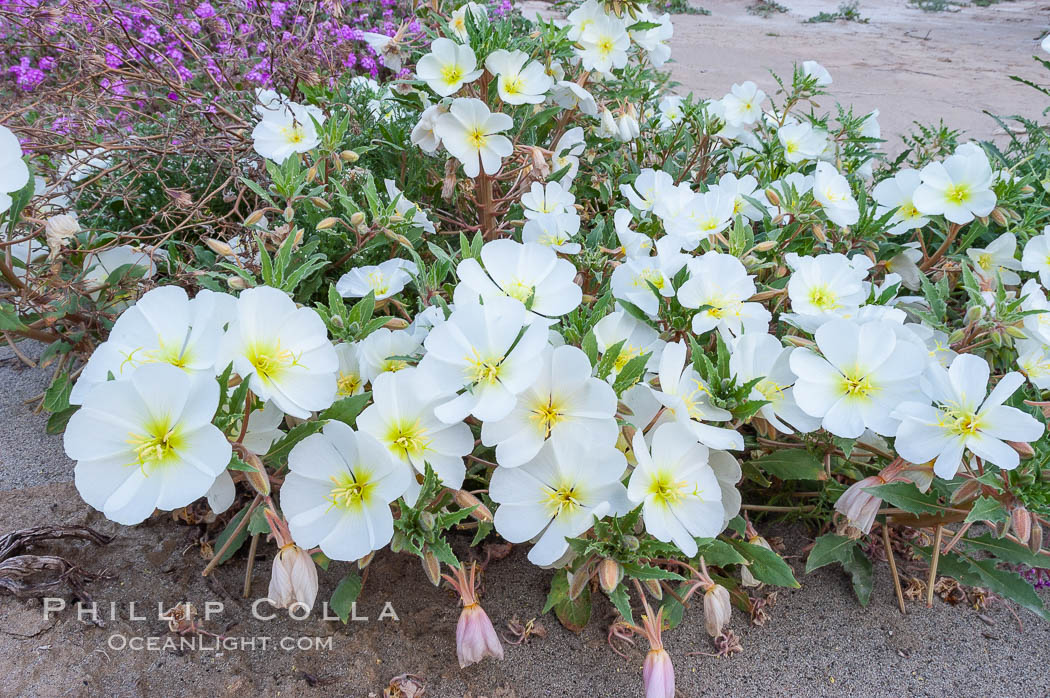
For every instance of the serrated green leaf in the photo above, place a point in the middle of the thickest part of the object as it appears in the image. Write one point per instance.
(718, 553)
(632, 371)
(987, 509)
(906, 496)
(644, 572)
(1009, 551)
(56, 397)
(766, 566)
(830, 548)
(347, 409)
(590, 347)
(443, 551)
(608, 360)
(622, 601)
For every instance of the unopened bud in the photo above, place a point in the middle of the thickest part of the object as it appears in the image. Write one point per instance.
(311, 174)
(1023, 449)
(337, 321)
(717, 609)
(1028, 189)
(432, 567)
(289, 214)
(327, 223)
(578, 582)
(818, 232)
(320, 203)
(765, 246)
(397, 542)
(236, 283)
(772, 197)
(427, 520)
(1021, 523)
(630, 542)
(1035, 542)
(653, 587)
(956, 336)
(1015, 332)
(998, 216)
(60, 228)
(797, 341)
(253, 218)
(973, 314)
(349, 156)
(219, 247)
(609, 575)
(466, 500)
(966, 491)
(357, 218)
(396, 323)
(257, 477)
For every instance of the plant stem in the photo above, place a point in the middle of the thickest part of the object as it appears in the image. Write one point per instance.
(953, 230)
(250, 566)
(933, 564)
(893, 567)
(213, 563)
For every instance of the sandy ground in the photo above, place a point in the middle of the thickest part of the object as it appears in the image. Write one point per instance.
(818, 640)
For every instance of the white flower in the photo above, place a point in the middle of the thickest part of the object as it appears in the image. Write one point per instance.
(14, 174)
(654, 41)
(721, 282)
(627, 125)
(519, 81)
(423, 133)
(471, 133)
(293, 581)
(705, 215)
(405, 207)
(739, 190)
(263, 428)
(528, 272)
(566, 153)
(685, 397)
(670, 112)
(557, 495)
(864, 373)
(637, 337)
(487, 352)
(388, 48)
(1036, 256)
(384, 350)
(963, 418)
(351, 380)
(603, 43)
(677, 488)
(385, 280)
(99, 266)
(1037, 326)
(959, 188)
(743, 104)
(896, 192)
(569, 95)
(634, 279)
(285, 128)
(802, 142)
(831, 190)
(997, 259)
(582, 17)
(542, 199)
(147, 443)
(647, 188)
(457, 21)
(282, 350)
(164, 326)
(790, 188)
(827, 285)
(905, 264)
(564, 402)
(448, 67)
(812, 69)
(338, 491)
(632, 244)
(1033, 358)
(763, 356)
(402, 419)
(553, 230)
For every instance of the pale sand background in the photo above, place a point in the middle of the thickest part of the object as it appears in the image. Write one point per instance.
(818, 641)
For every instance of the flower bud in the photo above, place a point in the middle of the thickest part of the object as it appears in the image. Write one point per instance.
(236, 283)
(289, 214)
(466, 500)
(311, 174)
(578, 581)
(1015, 332)
(432, 567)
(973, 314)
(998, 216)
(717, 609)
(658, 674)
(219, 247)
(1035, 541)
(818, 232)
(254, 217)
(327, 223)
(357, 218)
(653, 587)
(797, 341)
(1024, 450)
(257, 477)
(765, 246)
(475, 636)
(396, 323)
(427, 520)
(349, 156)
(956, 336)
(320, 203)
(630, 542)
(966, 491)
(609, 575)
(294, 578)
(1022, 524)
(773, 197)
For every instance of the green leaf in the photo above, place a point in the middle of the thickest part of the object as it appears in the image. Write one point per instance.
(227, 532)
(237, 464)
(345, 594)
(9, 319)
(644, 572)
(56, 423)
(859, 567)
(590, 347)
(830, 548)
(573, 614)
(258, 523)
(1009, 585)
(608, 361)
(792, 464)
(443, 551)
(1009, 551)
(321, 560)
(630, 373)
(279, 451)
(906, 496)
(987, 509)
(766, 566)
(56, 397)
(718, 553)
(622, 602)
(347, 409)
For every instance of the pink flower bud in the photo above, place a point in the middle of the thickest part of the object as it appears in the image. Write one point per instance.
(658, 674)
(294, 578)
(717, 609)
(475, 636)
(858, 506)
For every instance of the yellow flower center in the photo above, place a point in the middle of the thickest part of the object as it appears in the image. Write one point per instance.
(348, 383)
(627, 352)
(156, 446)
(407, 439)
(823, 297)
(481, 370)
(270, 360)
(519, 290)
(477, 138)
(451, 74)
(546, 415)
(351, 490)
(960, 422)
(392, 365)
(605, 46)
(857, 384)
(666, 490)
(650, 276)
(771, 390)
(379, 283)
(512, 85)
(563, 499)
(957, 193)
(984, 260)
(293, 134)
